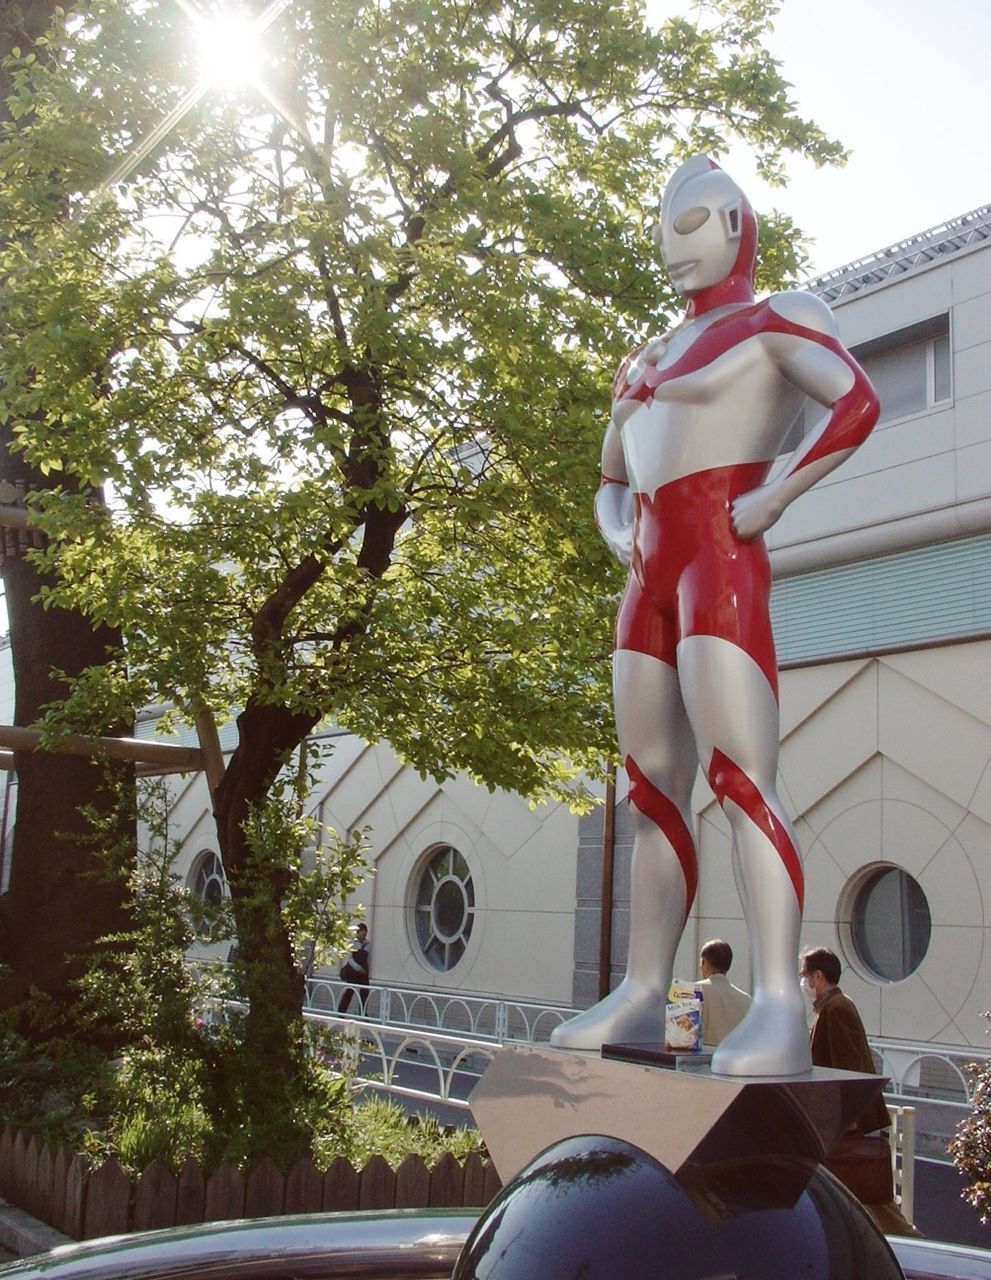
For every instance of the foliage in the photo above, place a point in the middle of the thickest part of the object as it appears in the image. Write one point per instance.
(380, 1127)
(149, 1065)
(971, 1148)
(342, 362)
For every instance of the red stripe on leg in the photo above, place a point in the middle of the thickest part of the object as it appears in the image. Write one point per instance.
(729, 782)
(666, 816)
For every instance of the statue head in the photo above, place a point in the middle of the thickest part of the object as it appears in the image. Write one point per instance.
(707, 235)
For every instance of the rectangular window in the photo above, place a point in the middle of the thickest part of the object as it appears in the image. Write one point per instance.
(911, 370)
(901, 379)
(941, 368)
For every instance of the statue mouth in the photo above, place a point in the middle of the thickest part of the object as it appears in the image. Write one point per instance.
(682, 268)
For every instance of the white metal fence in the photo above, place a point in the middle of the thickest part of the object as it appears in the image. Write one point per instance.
(935, 1073)
(425, 1066)
(480, 1017)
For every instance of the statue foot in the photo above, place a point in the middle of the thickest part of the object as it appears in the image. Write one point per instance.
(772, 1040)
(632, 1014)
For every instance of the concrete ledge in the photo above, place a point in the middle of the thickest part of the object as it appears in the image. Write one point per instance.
(24, 1235)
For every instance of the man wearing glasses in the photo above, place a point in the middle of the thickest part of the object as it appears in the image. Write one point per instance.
(838, 1036)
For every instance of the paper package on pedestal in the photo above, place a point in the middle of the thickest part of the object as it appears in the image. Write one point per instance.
(683, 1018)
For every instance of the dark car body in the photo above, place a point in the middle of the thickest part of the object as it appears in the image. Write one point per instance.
(387, 1245)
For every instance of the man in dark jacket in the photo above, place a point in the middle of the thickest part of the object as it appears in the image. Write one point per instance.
(838, 1035)
(357, 969)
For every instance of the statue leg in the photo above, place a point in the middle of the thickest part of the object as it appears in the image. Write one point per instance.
(656, 743)
(734, 714)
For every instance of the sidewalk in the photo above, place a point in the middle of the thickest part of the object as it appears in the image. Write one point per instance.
(940, 1211)
(22, 1235)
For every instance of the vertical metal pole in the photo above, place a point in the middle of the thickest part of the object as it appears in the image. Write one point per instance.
(608, 871)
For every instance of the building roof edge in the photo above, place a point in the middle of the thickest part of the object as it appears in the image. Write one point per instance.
(967, 231)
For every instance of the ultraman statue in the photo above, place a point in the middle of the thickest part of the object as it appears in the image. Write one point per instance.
(698, 418)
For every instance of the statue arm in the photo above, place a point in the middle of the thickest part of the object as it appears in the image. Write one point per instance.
(827, 373)
(614, 502)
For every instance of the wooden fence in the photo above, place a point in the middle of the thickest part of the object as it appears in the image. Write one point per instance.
(84, 1200)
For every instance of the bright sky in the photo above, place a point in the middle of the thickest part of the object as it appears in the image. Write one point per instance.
(904, 85)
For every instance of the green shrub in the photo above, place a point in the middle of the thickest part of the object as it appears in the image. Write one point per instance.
(378, 1126)
(971, 1148)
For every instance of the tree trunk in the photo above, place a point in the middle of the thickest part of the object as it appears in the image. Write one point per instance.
(65, 890)
(62, 894)
(271, 979)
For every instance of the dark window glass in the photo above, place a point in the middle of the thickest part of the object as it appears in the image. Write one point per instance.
(890, 924)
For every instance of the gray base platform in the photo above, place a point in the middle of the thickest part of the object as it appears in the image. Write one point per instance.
(530, 1098)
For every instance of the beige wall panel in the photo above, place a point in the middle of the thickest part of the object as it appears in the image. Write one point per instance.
(901, 303)
(201, 833)
(858, 502)
(910, 439)
(542, 876)
(407, 794)
(972, 415)
(804, 689)
(348, 748)
(898, 785)
(543, 870)
(835, 743)
(974, 835)
(971, 321)
(852, 838)
(971, 275)
(980, 821)
(956, 673)
(950, 883)
(358, 795)
(925, 735)
(969, 1022)
(911, 836)
(526, 947)
(825, 880)
(972, 370)
(861, 787)
(396, 960)
(974, 469)
(929, 1003)
(511, 822)
(922, 435)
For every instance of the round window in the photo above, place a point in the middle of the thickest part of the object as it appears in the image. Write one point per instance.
(208, 884)
(890, 924)
(444, 908)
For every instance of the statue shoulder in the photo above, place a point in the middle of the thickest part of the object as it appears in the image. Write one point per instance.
(635, 362)
(805, 309)
(620, 381)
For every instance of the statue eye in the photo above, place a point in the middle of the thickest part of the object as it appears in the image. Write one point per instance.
(691, 220)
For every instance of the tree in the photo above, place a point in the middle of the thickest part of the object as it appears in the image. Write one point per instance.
(65, 892)
(338, 347)
(971, 1147)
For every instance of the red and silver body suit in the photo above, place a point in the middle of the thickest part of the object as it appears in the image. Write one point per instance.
(699, 416)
